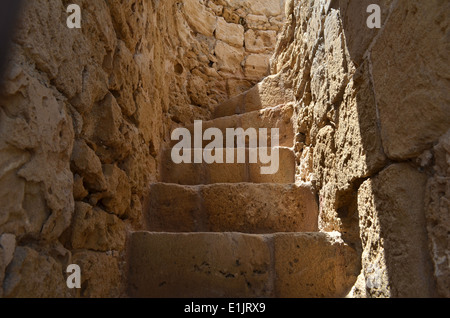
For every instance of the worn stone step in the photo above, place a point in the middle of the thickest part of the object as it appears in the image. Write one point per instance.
(270, 92)
(234, 172)
(275, 117)
(232, 207)
(236, 265)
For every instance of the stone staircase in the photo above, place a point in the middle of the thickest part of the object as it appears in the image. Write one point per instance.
(226, 230)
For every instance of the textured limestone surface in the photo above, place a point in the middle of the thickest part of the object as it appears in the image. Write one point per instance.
(371, 123)
(85, 122)
(234, 207)
(84, 114)
(288, 265)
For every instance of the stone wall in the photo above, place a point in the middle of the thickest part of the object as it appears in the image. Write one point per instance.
(372, 112)
(82, 119)
(84, 114)
(223, 48)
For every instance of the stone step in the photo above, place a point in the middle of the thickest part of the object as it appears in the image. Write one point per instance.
(233, 207)
(236, 265)
(275, 117)
(233, 172)
(270, 92)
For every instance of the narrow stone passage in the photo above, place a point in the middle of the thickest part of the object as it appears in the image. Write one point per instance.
(358, 202)
(226, 230)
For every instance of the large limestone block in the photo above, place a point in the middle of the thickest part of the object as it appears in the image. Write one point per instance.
(124, 79)
(328, 74)
(100, 274)
(285, 172)
(199, 265)
(258, 41)
(273, 91)
(94, 229)
(173, 208)
(86, 163)
(313, 265)
(235, 172)
(117, 198)
(230, 33)
(199, 19)
(257, 22)
(237, 86)
(395, 257)
(262, 7)
(64, 56)
(241, 207)
(34, 275)
(411, 84)
(230, 107)
(240, 265)
(259, 208)
(279, 117)
(182, 173)
(357, 35)
(229, 58)
(106, 127)
(36, 140)
(227, 172)
(358, 146)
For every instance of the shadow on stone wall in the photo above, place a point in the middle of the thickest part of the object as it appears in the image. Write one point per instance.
(396, 121)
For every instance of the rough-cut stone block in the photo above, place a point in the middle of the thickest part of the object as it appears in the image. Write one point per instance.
(199, 19)
(256, 21)
(258, 41)
(182, 173)
(94, 229)
(204, 265)
(313, 265)
(207, 173)
(199, 265)
(286, 168)
(231, 33)
(270, 92)
(232, 106)
(117, 198)
(173, 208)
(358, 36)
(257, 66)
(411, 85)
(229, 58)
(34, 275)
(86, 163)
(241, 207)
(357, 140)
(274, 117)
(259, 208)
(227, 172)
(100, 274)
(237, 86)
(392, 224)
